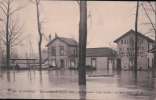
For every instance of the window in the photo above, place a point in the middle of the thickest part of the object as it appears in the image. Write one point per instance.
(53, 51)
(75, 52)
(72, 63)
(61, 50)
(53, 62)
(121, 41)
(93, 62)
(125, 41)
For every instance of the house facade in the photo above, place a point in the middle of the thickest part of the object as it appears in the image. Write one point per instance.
(62, 52)
(126, 50)
(101, 58)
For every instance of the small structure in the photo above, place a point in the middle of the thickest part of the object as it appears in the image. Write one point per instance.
(126, 50)
(102, 58)
(62, 52)
(24, 63)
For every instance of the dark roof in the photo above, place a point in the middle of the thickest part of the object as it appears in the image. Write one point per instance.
(100, 52)
(68, 41)
(133, 32)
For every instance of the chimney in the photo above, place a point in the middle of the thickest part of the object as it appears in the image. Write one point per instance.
(49, 37)
(56, 35)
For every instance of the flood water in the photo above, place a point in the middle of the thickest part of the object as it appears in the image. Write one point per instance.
(63, 84)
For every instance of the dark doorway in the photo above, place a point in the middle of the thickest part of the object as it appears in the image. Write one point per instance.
(62, 65)
(118, 64)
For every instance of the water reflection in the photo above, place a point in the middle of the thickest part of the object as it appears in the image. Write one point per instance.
(14, 76)
(64, 84)
(143, 84)
(8, 76)
(40, 73)
(82, 92)
(29, 75)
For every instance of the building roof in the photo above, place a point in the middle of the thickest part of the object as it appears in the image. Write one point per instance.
(68, 41)
(100, 52)
(133, 32)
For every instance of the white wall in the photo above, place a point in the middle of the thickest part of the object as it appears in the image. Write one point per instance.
(67, 53)
(101, 62)
(143, 48)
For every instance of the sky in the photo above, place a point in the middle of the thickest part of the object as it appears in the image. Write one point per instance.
(107, 20)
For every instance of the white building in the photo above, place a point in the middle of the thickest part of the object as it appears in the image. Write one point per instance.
(62, 52)
(126, 50)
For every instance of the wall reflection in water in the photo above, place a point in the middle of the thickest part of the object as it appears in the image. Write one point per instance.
(63, 84)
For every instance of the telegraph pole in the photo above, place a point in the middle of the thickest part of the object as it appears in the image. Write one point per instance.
(136, 44)
(82, 42)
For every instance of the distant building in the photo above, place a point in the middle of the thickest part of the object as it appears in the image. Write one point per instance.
(101, 58)
(126, 50)
(62, 52)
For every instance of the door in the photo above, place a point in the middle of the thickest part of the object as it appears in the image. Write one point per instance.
(62, 65)
(93, 62)
(118, 64)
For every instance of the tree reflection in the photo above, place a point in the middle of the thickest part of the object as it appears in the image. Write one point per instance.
(82, 92)
(40, 74)
(8, 76)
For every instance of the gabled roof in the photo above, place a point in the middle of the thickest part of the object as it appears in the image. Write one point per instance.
(100, 52)
(133, 32)
(68, 41)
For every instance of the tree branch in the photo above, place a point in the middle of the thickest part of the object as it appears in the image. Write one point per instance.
(148, 16)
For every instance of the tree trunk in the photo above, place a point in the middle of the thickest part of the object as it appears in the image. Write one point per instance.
(7, 38)
(40, 34)
(82, 42)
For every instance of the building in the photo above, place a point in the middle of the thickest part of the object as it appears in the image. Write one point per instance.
(126, 50)
(101, 58)
(62, 52)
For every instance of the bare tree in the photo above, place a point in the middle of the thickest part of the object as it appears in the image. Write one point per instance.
(37, 3)
(152, 23)
(39, 32)
(11, 32)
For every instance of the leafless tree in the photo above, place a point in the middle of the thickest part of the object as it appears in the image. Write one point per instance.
(39, 32)
(37, 3)
(151, 22)
(11, 31)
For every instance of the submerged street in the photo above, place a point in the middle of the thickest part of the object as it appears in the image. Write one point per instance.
(63, 84)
